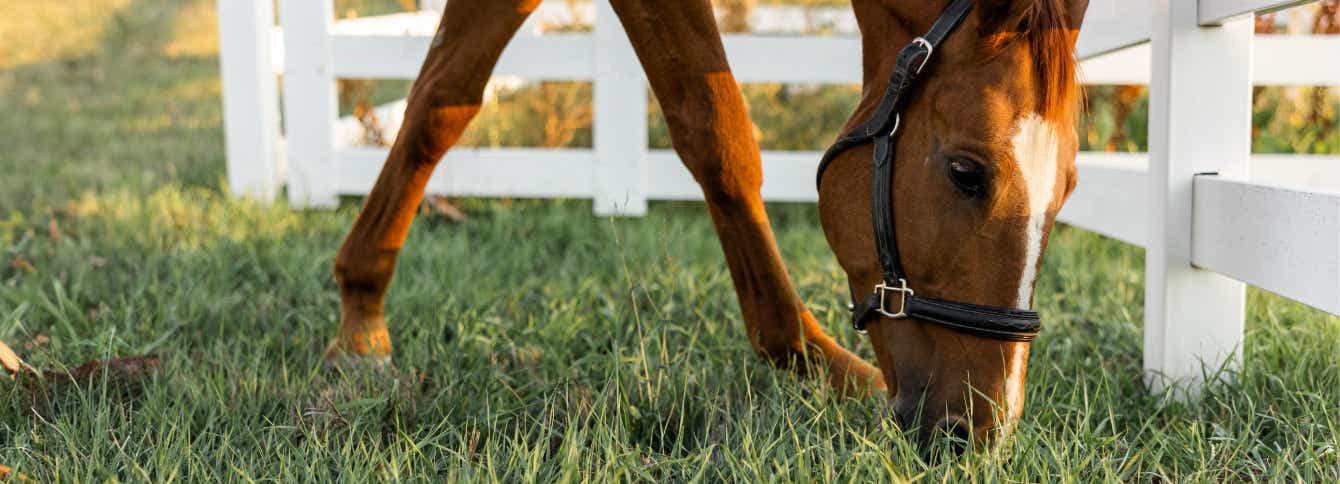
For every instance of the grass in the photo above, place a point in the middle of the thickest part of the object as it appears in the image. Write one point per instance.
(534, 343)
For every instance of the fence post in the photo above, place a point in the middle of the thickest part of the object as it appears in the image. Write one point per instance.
(432, 4)
(309, 102)
(1200, 100)
(619, 129)
(250, 98)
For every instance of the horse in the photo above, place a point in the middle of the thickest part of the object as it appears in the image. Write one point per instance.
(983, 160)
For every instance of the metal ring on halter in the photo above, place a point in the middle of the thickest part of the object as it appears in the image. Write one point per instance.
(930, 49)
(897, 122)
(883, 290)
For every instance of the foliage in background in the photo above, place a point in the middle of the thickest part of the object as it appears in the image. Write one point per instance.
(808, 117)
(786, 117)
(549, 114)
(113, 104)
(1296, 120)
(1284, 120)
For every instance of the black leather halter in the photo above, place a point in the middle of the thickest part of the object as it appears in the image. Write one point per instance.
(881, 129)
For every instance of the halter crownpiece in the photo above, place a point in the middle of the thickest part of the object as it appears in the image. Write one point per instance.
(892, 297)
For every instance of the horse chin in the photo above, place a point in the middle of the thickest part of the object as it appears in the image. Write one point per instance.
(938, 396)
(953, 431)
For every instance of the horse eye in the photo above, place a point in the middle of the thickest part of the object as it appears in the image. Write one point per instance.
(968, 176)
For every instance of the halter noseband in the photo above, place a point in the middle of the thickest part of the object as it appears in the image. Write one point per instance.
(993, 322)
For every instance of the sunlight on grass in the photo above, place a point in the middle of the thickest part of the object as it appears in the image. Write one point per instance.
(195, 33)
(118, 115)
(26, 29)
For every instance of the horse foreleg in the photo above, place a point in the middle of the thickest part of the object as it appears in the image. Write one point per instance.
(443, 100)
(681, 51)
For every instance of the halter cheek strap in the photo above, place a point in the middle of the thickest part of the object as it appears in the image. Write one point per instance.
(892, 298)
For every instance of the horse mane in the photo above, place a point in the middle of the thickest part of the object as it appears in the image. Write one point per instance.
(1051, 44)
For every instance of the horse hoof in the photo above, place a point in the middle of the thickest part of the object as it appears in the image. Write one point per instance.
(358, 364)
(339, 356)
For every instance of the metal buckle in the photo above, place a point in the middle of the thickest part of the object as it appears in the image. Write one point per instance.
(897, 122)
(930, 49)
(883, 290)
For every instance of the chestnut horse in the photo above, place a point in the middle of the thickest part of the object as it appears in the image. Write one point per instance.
(985, 160)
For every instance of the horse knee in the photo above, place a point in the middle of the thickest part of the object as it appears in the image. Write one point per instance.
(720, 151)
(438, 112)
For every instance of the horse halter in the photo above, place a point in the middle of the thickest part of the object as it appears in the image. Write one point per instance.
(1006, 324)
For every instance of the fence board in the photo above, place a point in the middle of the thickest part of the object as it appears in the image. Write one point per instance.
(1112, 197)
(762, 58)
(1278, 60)
(788, 176)
(1280, 239)
(552, 56)
(1215, 12)
(511, 172)
(1318, 173)
(1113, 25)
(1117, 24)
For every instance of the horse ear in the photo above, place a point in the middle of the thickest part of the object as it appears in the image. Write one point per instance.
(1075, 13)
(1004, 14)
(1008, 14)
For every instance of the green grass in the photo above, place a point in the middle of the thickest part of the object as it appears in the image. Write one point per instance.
(534, 343)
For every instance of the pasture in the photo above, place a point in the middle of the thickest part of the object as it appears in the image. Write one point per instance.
(534, 342)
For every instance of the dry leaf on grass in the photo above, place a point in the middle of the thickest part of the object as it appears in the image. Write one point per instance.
(117, 369)
(22, 264)
(440, 205)
(53, 230)
(10, 361)
(37, 341)
(124, 376)
(5, 471)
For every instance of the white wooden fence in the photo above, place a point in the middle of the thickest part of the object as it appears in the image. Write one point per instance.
(1209, 221)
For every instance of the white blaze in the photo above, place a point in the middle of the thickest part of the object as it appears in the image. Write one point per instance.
(1036, 152)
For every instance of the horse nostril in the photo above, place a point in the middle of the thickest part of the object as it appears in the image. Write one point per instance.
(904, 419)
(957, 433)
(907, 412)
(955, 427)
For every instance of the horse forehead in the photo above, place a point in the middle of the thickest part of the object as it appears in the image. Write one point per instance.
(1037, 153)
(991, 100)
(982, 114)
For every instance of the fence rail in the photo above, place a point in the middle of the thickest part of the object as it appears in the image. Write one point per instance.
(1210, 215)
